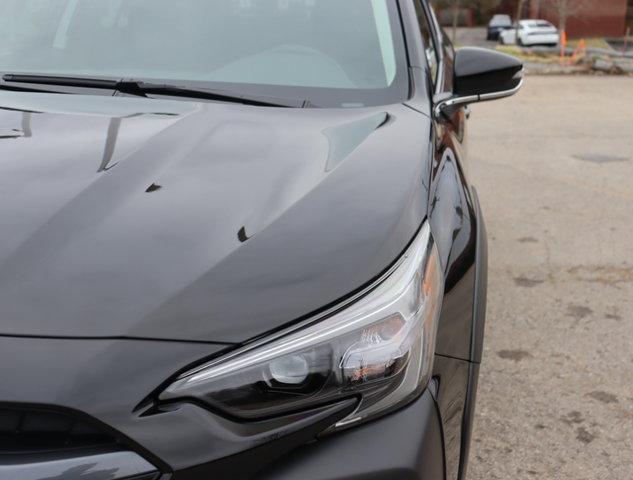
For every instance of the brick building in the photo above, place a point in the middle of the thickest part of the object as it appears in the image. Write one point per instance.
(594, 18)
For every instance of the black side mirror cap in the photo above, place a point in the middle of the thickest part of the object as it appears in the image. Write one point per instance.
(479, 71)
(482, 75)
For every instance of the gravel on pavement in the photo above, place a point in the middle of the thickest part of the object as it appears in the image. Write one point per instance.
(554, 169)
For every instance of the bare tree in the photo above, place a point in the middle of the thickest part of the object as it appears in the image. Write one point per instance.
(520, 7)
(565, 9)
(519, 15)
(455, 7)
(485, 8)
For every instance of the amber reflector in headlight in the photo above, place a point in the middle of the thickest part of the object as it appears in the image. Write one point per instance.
(379, 348)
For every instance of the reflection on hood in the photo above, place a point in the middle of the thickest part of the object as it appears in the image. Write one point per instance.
(130, 217)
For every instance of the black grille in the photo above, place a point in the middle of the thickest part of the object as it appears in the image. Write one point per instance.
(32, 431)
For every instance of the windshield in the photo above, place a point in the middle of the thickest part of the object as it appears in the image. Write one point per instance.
(331, 52)
(501, 21)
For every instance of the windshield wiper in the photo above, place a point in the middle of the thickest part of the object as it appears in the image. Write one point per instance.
(143, 89)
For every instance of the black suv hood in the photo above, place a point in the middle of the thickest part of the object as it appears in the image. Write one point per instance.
(140, 218)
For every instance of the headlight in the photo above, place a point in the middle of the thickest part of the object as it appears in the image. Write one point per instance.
(379, 349)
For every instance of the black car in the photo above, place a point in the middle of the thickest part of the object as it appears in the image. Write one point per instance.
(498, 24)
(238, 240)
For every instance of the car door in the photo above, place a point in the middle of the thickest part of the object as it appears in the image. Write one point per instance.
(452, 213)
(451, 132)
(513, 38)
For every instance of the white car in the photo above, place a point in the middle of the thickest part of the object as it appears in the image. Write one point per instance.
(531, 32)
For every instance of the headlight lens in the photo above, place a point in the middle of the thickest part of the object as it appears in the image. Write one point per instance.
(379, 348)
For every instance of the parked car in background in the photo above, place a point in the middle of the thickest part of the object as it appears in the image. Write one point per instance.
(498, 24)
(531, 32)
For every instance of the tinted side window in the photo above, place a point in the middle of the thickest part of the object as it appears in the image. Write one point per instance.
(449, 62)
(432, 56)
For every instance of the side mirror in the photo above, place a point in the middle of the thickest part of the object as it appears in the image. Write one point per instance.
(481, 75)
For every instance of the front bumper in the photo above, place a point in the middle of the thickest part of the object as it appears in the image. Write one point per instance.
(406, 445)
(493, 33)
(187, 442)
(113, 466)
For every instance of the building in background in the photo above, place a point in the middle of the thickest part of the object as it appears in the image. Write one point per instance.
(590, 18)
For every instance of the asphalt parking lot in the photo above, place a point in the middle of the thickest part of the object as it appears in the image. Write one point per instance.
(554, 170)
(472, 37)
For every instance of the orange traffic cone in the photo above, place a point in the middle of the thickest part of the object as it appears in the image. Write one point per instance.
(581, 50)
